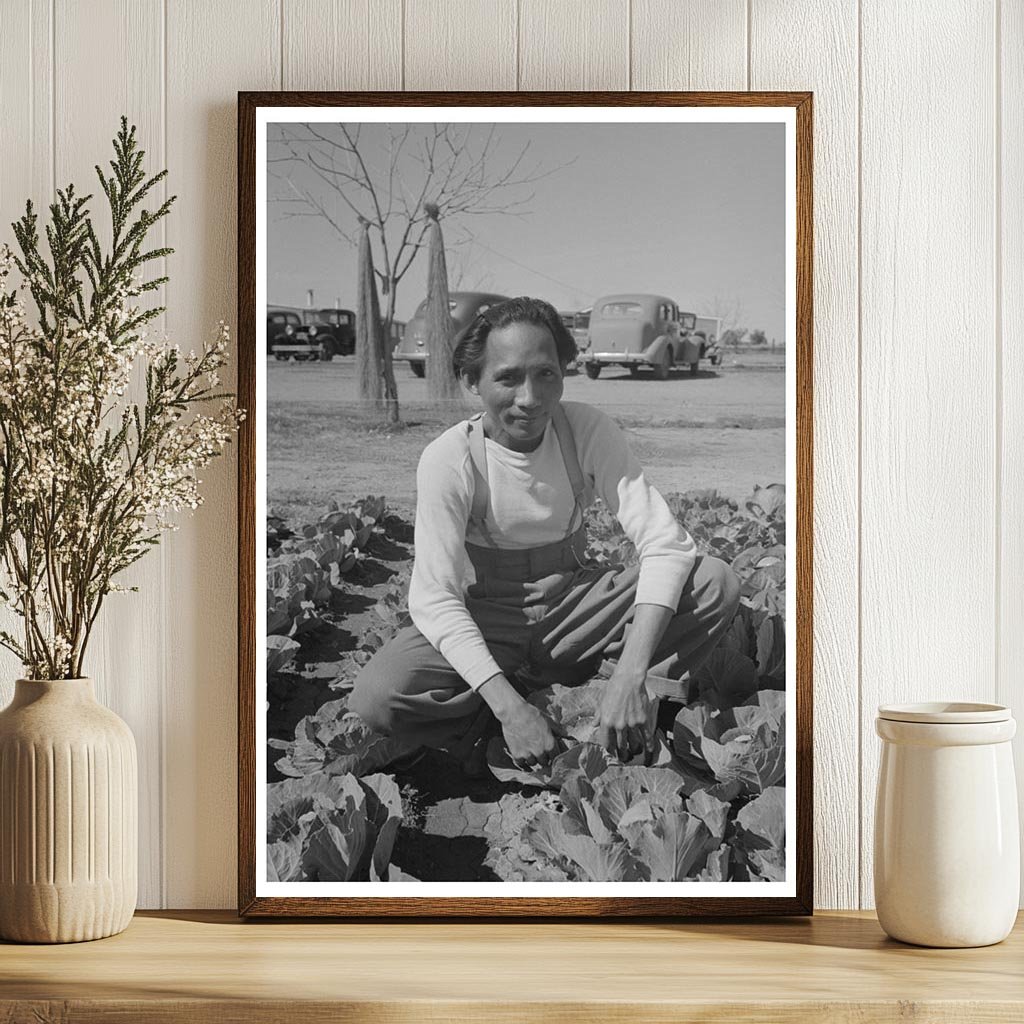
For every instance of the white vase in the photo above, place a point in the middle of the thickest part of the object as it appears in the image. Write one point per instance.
(947, 848)
(68, 815)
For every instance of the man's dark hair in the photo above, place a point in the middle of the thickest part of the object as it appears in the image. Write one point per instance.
(471, 346)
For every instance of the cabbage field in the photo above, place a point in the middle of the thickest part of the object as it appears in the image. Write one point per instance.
(709, 805)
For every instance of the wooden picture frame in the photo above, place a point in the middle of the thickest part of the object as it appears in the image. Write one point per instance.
(793, 896)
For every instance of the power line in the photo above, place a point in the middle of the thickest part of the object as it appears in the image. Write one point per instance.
(547, 277)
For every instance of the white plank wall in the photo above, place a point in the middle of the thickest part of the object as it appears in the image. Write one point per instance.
(123, 658)
(699, 45)
(919, 409)
(928, 519)
(213, 50)
(26, 163)
(1009, 368)
(469, 44)
(574, 44)
(832, 75)
(342, 44)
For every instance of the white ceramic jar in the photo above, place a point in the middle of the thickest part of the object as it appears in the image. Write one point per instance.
(947, 847)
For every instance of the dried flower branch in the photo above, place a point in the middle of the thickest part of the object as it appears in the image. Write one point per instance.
(88, 477)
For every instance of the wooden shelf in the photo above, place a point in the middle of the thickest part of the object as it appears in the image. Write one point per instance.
(203, 967)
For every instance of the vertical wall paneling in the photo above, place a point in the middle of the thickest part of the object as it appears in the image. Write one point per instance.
(213, 51)
(342, 44)
(696, 44)
(928, 522)
(1010, 176)
(915, 288)
(466, 45)
(26, 69)
(122, 657)
(26, 120)
(574, 44)
(830, 71)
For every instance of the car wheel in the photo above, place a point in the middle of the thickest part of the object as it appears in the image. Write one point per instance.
(281, 359)
(593, 370)
(634, 370)
(418, 369)
(663, 365)
(694, 367)
(327, 352)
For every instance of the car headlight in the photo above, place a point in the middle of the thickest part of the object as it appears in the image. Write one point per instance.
(312, 332)
(289, 330)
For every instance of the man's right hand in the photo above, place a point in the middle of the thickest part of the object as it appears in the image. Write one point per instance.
(528, 736)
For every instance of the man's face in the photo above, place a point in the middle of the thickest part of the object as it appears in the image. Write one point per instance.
(520, 384)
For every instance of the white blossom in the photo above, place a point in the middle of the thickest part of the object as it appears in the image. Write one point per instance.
(86, 482)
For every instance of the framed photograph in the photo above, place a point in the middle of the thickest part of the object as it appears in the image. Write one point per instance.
(525, 504)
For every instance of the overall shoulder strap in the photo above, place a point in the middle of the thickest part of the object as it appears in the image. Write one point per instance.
(478, 457)
(567, 443)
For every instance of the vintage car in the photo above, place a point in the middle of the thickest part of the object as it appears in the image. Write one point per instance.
(464, 306)
(282, 326)
(333, 329)
(289, 338)
(709, 330)
(638, 331)
(581, 329)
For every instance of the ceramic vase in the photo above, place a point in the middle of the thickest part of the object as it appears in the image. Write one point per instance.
(947, 847)
(68, 815)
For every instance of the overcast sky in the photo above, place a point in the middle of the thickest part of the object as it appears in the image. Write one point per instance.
(692, 211)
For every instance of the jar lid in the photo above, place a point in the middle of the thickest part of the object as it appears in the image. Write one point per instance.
(945, 713)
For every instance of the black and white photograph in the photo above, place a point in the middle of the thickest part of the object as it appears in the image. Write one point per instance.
(525, 455)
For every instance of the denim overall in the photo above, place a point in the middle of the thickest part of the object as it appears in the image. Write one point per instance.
(546, 615)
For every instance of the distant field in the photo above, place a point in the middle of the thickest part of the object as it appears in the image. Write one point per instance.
(724, 430)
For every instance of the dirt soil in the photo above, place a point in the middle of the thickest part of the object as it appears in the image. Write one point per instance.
(724, 428)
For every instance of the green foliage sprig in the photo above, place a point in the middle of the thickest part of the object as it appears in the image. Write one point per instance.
(89, 477)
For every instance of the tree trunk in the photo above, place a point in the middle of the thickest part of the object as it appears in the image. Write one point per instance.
(373, 338)
(391, 414)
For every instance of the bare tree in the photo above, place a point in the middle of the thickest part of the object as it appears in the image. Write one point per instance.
(729, 309)
(464, 273)
(387, 174)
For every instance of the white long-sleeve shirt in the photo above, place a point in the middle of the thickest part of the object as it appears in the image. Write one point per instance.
(530, 504)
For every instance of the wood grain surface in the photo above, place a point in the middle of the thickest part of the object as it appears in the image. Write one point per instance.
(199, 967)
